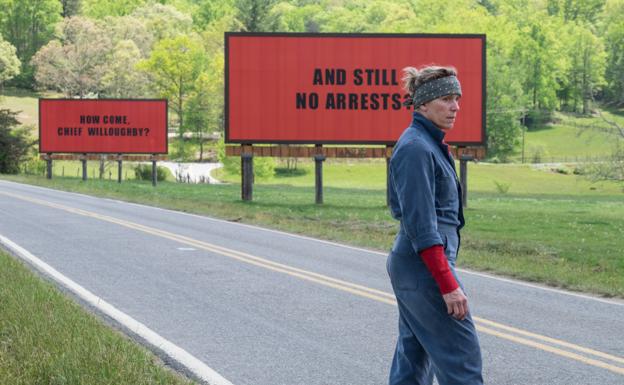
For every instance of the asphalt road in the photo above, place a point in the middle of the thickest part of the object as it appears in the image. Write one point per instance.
(267, 308)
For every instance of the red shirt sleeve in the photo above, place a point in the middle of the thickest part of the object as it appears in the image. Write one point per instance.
(436, 262)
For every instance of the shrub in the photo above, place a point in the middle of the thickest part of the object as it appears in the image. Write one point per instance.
(560, 170)
(33, 166)
(263, 167)
(538, 118)
(14, 142)
(288, 172)
(144, 172)
(537, 153)
(579, 170)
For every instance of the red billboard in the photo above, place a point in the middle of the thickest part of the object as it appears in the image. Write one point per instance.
(112, 126)
(342, 88)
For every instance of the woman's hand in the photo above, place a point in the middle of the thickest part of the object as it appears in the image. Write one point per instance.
(456, 303)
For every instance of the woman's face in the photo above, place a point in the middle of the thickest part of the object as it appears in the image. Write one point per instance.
(441, 111)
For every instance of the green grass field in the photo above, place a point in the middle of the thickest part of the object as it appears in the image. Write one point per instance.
(482, 177)
(572, 138)
(548, 227)
(25, 101)
(46, 338)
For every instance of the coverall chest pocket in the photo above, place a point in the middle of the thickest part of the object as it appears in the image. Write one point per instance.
(445, 191)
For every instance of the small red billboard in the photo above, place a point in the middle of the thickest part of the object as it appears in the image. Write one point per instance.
(342, 88)
(111, 126)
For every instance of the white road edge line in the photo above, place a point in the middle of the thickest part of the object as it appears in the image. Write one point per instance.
(483, 275)
(175, 352)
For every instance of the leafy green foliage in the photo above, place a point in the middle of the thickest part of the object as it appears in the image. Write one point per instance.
(542, 56)
(70, 7)
(163, 21)
(9, 63)
(121, 79)
(14, 143)
(263, 167)
(175, 65)
(210, 11)
(613, 32)
(584, 11)
(76, 61)
(98, 9)
(253, 14)
(28, 25)
(144, 172)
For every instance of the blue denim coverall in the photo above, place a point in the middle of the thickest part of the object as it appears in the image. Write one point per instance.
(425, 197)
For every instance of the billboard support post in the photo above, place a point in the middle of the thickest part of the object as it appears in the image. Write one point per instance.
(463, 177)
(84, 167)
(102, 160)
(49, 166)
(154, 173)
(247, 173)
(319, 158)
(119, 165)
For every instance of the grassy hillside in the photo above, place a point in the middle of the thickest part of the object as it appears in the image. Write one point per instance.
(571, 138)
(25, 101)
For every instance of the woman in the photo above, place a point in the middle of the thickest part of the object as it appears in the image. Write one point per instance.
(436, 332)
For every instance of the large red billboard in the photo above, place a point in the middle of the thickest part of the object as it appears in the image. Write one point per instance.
(113, 126)
(342, 88)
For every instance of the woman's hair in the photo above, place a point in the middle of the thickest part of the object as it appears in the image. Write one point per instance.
(414, 77)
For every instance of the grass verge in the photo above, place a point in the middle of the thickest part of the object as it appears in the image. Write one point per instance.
(547, 227)
(46, 338)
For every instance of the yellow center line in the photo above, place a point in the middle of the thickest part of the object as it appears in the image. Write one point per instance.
(549, 339)
(359, 290)
(551, 349)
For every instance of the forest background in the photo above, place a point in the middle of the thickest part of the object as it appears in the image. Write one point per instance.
(543, 56)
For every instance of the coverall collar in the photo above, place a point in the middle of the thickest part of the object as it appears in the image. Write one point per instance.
(436, 133)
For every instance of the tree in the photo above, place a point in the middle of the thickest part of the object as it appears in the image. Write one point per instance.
(506, 96)
(163, 21)
(174, 66)
(14, 143)
(122, 79)
(583, 11)
(70, 8)
(98, 9)
(588, 62)
(9, 63)
(205, 105)
(28, 25)
(131, 28)
(75, 62)
(613, 32)
(253, 14)
(210, 11)
(540, 65)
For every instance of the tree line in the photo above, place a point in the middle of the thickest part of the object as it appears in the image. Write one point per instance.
(542, 55)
